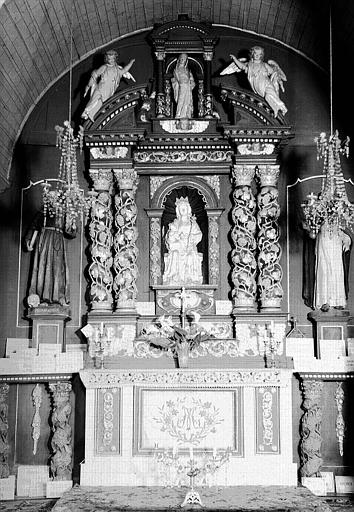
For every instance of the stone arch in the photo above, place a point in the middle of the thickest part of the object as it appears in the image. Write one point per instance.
(209, 197)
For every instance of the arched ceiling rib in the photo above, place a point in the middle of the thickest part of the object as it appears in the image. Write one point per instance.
(35, 38)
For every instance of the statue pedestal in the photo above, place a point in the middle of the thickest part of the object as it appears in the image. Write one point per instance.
(329, 325)
(48, 324)
(199, 298)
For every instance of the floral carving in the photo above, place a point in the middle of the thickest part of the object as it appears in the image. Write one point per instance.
(213, 250)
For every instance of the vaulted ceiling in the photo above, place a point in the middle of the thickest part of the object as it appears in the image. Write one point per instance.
(35, 38)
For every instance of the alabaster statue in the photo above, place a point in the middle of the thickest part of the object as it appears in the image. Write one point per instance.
(265, 78)
(183, 262)
(330, 280)
(182, 85)
(104, 82)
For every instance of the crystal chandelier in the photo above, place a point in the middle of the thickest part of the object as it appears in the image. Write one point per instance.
(67, 202)
(331, 206)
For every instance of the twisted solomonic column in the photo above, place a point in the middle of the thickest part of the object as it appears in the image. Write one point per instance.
(100, 229)
(61, 460)
(243, 237)
(126, 251)
(269, 251)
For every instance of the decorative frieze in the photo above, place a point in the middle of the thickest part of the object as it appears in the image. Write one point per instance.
(187, 377)
(243, 237)
(61, 460)
(109, 152)
(100, 230)
(269, 250)
(126, 251)
(168, 156)
(310, 429)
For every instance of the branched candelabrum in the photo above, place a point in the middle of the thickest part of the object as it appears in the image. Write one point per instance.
(175, 466)
(102, 343)
(271, 345)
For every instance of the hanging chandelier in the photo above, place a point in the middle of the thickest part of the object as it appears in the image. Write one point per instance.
(67, 202)
(331, 206)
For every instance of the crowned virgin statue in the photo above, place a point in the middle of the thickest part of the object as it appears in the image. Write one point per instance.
(183, 263)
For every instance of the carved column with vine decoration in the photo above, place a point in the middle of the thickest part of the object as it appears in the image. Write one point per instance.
(100, 229)
(61, 460)
(310, 428)
(269, 251)
(243, 237)
(126, 251)
(4, 427)
(167, 98)
(208, 102)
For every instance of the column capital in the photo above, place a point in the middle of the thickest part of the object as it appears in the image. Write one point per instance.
(268, 174)
(102, 179)
(243, 174)
(127, 179)
(208, 56)
(160, 55)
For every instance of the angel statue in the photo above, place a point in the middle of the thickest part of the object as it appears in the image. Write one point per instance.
(109, 76)
(265, 78)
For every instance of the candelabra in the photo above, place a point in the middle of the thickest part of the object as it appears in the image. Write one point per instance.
(177, 466)
(102, 343)
(271, 345)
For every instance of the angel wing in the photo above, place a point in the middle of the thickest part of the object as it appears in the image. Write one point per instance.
(278, 76)
(231, 68)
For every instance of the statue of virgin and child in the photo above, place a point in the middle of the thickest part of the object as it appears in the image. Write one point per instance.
(183, 262)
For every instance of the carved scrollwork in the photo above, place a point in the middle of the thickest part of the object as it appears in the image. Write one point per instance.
(182, 156)
(36, 422)
(213, 250)
(155, 250)
(340, 423)
(310, 430)
(61, 461)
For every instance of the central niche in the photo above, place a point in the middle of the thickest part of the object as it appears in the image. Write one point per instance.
(196, 233)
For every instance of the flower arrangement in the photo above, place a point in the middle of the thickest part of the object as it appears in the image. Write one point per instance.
(331, 206)
(163, 333)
